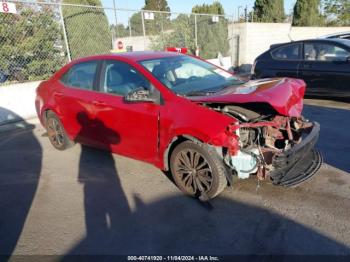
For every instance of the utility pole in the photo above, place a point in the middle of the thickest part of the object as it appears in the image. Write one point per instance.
(238, 13)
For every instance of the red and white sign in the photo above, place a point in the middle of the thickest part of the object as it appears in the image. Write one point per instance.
(8, 8)
(182, 50)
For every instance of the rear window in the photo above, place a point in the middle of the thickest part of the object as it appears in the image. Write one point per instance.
(289, 52)
(81, 75)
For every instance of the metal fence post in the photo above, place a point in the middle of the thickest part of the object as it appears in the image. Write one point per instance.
(143, 29)
(129, 25)
(232, 39)
(195, 30)
(65, 34)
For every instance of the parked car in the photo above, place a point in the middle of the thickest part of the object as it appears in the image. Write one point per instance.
(184, 115)
(13, 73)
(324, 64)
(343, 35)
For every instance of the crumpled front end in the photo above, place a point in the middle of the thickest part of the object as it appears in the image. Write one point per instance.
(281, 148)
(298, 163)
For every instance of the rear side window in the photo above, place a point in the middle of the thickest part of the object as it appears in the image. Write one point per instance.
(289, 52)
(81, 75)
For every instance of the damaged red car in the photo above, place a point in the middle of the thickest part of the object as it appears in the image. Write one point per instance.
(183, 115)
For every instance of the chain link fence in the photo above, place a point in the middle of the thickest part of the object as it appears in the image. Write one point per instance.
(31, 43)
(42, 36)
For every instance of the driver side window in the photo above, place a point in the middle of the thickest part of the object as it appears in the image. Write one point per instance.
(120, 78)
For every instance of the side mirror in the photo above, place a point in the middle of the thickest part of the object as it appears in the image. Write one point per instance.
(140, 95)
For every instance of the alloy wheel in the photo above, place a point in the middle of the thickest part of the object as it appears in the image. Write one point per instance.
(193, 171)
(55, 132)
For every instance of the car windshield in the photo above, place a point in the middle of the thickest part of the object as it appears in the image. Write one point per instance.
(189, 76)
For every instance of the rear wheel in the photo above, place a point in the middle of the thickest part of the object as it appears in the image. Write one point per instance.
(198, 170)
(56, 133)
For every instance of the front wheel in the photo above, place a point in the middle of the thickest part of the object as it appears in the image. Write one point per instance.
(198, 170)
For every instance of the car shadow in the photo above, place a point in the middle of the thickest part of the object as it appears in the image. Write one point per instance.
(20, 167)
(181, 225)
(94, 131)
(334, 142)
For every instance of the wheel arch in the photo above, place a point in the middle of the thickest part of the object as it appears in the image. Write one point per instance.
(45, 112)
(173, 143)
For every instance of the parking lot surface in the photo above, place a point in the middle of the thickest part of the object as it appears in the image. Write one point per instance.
(86, 201)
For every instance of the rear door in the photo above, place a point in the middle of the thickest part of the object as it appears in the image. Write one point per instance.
(281, 61)
(325, 68)
(74, 97)
(130, 129)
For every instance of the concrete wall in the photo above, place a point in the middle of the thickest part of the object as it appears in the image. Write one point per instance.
(139, 43)
(256, 38)
(17, 101)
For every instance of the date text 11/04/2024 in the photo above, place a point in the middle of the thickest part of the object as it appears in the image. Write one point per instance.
(173, 258)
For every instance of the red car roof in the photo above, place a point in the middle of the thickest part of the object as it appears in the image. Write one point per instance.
(144, 55)
(136, 55)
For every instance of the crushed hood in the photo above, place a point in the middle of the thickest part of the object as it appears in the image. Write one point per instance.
(285, 95)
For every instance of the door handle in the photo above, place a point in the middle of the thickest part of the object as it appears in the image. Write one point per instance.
(58, 94)
(307, 66)
(98, 103)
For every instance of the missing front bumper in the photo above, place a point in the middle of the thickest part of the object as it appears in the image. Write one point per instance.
(299, 163)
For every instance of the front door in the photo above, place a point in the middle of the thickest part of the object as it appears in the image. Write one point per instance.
(130, 129)
(325, 69)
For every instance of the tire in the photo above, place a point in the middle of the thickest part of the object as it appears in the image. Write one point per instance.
(198, 170)
(56, 133)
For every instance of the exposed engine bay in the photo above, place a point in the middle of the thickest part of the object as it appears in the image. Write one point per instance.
(271, 145)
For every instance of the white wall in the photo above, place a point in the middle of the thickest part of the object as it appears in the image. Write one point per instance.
(139, 43)
(256, 38)
(17, 101)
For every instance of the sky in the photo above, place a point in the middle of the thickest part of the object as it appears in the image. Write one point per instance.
(230, 6)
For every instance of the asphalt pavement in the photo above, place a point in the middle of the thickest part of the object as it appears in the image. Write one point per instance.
(86, 201)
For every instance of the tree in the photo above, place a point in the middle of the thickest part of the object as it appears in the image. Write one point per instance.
(307, 13)
(87, 28)
(212, 36)
(215, 8)
(161, 21)
(119, 31)
(337, 12)
(32, 42)
(136, 24)
(159, 5)
(269, 11)
(181, 36)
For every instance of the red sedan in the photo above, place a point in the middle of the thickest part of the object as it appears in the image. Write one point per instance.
(184, 115)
